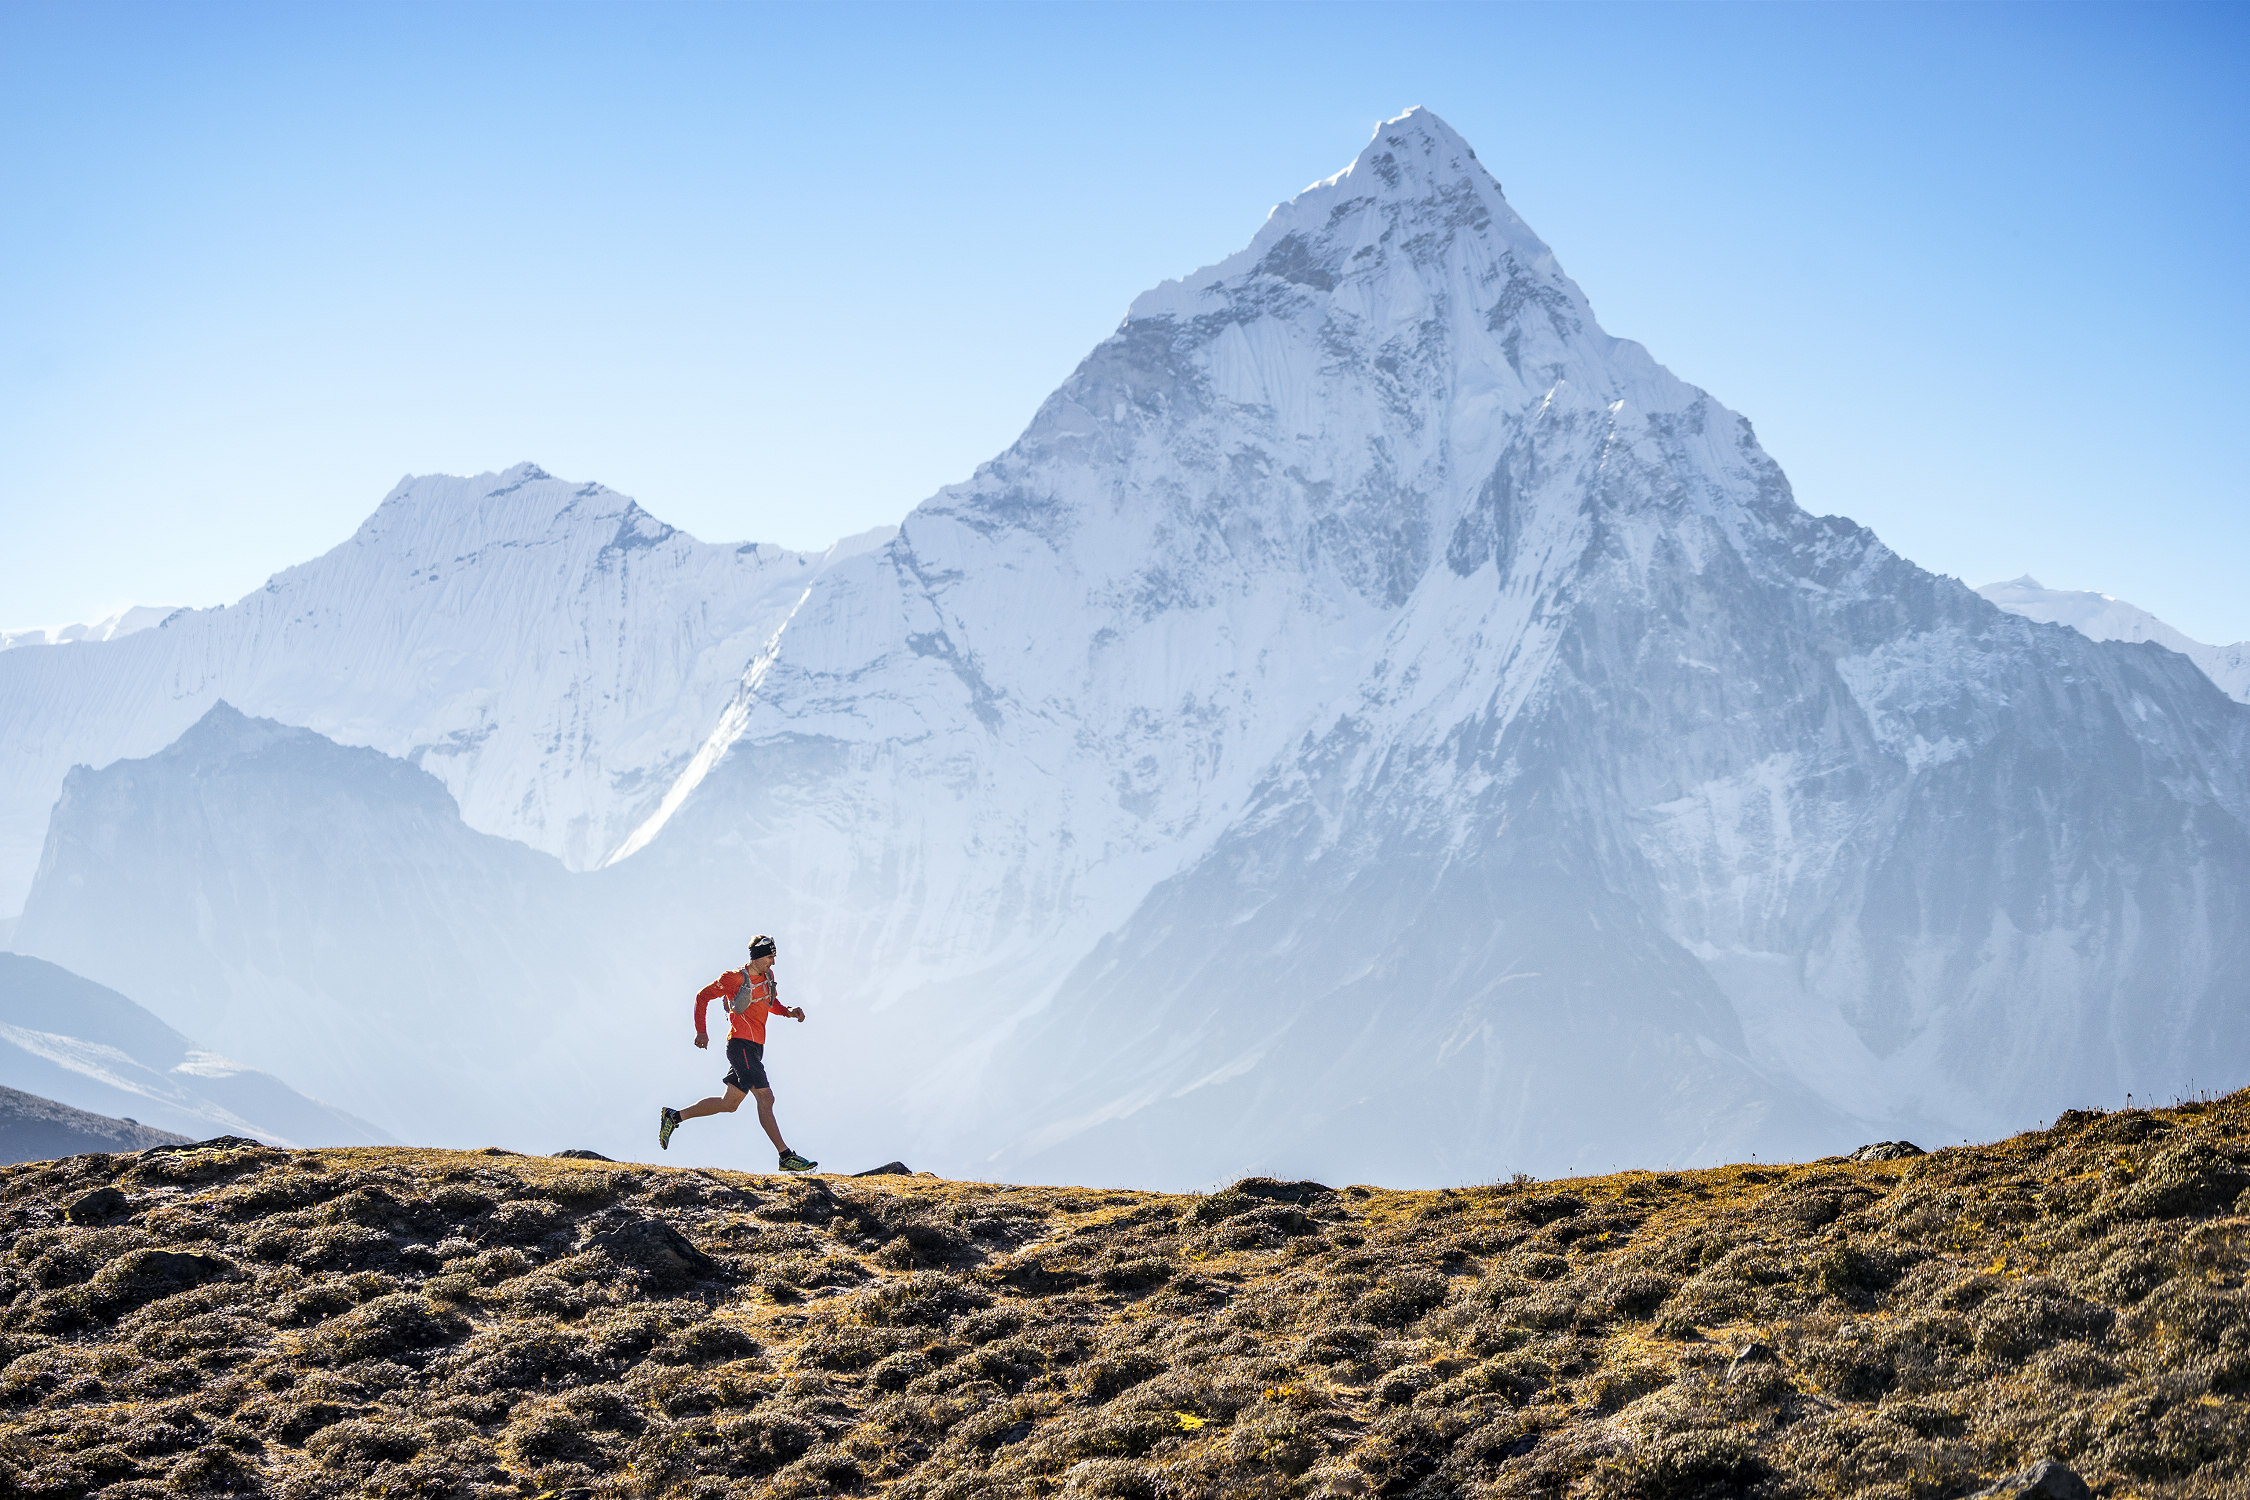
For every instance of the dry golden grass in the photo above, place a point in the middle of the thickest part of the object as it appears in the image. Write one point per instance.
(401, 1322)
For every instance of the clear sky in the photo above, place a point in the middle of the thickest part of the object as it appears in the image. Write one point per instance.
(1976, 273)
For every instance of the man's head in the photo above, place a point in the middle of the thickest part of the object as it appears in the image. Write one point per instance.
(761, 953)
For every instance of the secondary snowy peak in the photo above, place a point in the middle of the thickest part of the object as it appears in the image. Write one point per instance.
(2104, 618)
(550, 651)
(432, 523)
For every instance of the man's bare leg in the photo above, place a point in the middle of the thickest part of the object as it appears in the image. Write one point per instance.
(765, 1118)
(727, 1104)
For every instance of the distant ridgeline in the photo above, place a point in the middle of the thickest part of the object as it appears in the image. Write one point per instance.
(1373, 724)
(36, 1129)
(75, 1041)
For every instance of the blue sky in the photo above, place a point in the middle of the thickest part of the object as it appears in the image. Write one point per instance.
(1974, 272)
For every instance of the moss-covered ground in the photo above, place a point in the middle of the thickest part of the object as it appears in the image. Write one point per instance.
(402, 1322)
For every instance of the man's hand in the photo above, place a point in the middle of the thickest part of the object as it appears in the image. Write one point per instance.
(799, 1013)
(703, 1039)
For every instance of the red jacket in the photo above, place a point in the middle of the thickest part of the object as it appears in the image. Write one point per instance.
(749, 1021)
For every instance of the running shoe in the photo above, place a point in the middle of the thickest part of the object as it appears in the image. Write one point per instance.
(792, 1162)
(667, 1121)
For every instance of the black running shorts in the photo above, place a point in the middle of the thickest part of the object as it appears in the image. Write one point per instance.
(746, 1065)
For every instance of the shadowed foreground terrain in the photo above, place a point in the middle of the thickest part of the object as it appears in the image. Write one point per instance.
(400, 1322)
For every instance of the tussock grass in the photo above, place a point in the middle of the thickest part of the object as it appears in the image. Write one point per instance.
(402, 1322)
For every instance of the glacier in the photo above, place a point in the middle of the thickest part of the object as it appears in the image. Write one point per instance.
(1373, 723)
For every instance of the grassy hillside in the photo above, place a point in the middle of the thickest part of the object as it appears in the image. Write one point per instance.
(402, 1322)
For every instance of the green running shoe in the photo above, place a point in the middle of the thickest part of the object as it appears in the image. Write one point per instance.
(667, 1121)
(792, 1162)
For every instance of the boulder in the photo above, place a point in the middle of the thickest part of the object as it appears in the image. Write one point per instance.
(2048, 1479)
(654, 1246)
(887, 1169)
(1888, 1151)
(101, 1206)
(580, 1153)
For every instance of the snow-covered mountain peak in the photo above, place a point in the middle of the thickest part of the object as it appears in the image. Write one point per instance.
(1413, 196)
(549, 650)
(441, 518)
(1414, 155)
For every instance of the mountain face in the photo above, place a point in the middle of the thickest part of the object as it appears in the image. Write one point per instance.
(2106, 619)
(550, 651)
(80, 1043)
(321, 912)
(1373, 723)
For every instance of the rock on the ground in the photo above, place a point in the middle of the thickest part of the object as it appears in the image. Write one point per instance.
(653, 1245)
(1888, 1151)
(2048, 1479)
(97, 1207)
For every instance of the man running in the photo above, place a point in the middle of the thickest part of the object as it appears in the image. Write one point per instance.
(750, 994)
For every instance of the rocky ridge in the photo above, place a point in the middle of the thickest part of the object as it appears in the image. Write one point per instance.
(2068, 1305)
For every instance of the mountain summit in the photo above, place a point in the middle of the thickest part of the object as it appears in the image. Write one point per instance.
(1372, 724)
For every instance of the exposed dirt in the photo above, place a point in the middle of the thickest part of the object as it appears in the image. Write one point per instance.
(437, 1323)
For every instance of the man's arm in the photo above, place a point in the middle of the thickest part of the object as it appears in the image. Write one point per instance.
(703, 999)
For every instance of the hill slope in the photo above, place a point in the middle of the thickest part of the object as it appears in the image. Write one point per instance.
(389, 1321)
(33, 1129)
(87, 1046)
